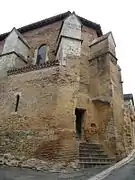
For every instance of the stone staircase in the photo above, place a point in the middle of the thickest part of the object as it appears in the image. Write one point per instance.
(91, 155)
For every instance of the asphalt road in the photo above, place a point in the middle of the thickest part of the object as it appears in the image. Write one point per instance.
(126, 172)
(10, 173)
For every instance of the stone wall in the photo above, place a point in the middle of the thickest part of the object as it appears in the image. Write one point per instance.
(22, 132)
(44, 125)
(69, 40)
(101, 96)
(1, 46)
(118, 107)
(44, 35)
(106, 92)
(129, 128)
(9, 61)
(15, 52)
(83, 94)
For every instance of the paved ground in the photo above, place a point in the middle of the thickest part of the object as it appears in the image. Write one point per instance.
(126, 172)
(8, 173)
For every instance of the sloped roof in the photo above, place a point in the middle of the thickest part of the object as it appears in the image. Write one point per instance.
(53, 19)
(21, 37)
(128, 97)
(105, 36)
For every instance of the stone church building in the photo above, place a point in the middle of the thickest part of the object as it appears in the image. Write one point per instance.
(61, 94)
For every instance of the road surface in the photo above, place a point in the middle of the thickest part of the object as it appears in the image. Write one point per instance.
(12, 173)
(126, 172)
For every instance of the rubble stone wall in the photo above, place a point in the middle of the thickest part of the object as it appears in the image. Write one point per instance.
(129, 129)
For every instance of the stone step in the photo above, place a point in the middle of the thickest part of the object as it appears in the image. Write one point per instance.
(92, 155)
(91, 151)
(85, 147)
(93, 159)
(94, 164)
(90, 144)
(96, 155)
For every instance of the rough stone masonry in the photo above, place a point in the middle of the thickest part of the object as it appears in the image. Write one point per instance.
(60, 84)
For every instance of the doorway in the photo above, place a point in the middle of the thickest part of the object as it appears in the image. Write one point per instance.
(79, 122)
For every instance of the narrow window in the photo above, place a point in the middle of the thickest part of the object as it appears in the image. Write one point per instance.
(17, 102)
(79, 121)
(41, 55)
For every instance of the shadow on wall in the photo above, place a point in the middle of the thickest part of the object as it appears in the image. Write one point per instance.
(62, 143)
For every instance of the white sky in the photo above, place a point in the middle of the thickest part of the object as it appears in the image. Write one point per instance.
(117, 16)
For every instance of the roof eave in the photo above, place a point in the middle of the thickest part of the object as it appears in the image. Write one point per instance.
(53, 19)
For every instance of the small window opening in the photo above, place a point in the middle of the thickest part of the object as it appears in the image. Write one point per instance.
(17, 102)
(41, 55)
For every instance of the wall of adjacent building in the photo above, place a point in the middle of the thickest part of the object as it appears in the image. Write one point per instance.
(129, 128)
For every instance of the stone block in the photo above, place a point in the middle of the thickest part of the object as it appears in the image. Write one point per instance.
(102, 45)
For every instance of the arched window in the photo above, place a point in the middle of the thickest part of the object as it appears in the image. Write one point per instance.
(41, 55)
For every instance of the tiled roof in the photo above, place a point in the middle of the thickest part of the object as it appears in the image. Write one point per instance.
(32, 67)
(128, 96)
(52, 20)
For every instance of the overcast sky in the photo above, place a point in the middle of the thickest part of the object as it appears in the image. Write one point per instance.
(117, 16)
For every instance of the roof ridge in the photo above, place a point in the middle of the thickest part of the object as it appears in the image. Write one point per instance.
(47, 19)
(52, 20)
